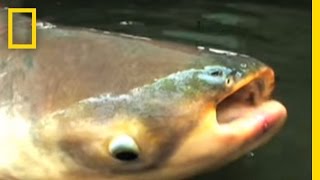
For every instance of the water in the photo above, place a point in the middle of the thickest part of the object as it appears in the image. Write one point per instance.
(277, 33)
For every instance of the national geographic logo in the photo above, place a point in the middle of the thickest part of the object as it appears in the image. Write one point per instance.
(33, 44)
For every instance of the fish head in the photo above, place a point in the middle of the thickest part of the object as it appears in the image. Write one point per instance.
(197, 119)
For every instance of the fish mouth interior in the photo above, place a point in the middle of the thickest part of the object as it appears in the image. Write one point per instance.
(246, 98)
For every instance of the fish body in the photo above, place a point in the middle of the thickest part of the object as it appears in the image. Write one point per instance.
(89, 104)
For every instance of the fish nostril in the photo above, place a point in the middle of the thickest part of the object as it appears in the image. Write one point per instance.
(229, 81)
(216, 73)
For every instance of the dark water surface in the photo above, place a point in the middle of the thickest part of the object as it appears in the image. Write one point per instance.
(277, 33)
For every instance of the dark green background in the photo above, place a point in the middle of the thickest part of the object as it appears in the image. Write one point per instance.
(277, 32)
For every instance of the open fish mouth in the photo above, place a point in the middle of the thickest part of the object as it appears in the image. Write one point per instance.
(243, 119)
(245, 96)
(250, 100)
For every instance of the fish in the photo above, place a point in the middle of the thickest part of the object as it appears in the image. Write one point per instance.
(98, 105)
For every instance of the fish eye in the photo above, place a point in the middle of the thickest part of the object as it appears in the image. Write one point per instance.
(124, 148)
(229, 81)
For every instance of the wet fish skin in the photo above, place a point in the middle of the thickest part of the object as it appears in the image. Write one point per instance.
(64, 102)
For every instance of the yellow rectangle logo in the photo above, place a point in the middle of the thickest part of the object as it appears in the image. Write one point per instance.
(33, 44)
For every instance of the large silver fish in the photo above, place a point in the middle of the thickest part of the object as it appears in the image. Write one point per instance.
(97, 105)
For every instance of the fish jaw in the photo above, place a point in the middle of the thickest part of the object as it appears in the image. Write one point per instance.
(214, 143)
(211, 146)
